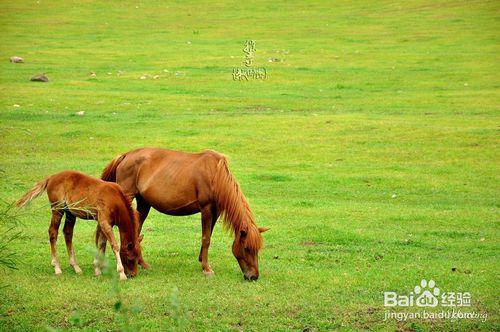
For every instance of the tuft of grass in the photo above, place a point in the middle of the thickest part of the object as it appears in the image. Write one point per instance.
(10, 221)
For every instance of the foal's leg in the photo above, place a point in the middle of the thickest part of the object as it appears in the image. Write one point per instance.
(143, 208)
(69, 224)
(101, 247)
(53, 230)
(108, 232)
(208, 218)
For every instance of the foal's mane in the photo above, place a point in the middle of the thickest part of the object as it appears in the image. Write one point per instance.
(132, 214)
(234, 207)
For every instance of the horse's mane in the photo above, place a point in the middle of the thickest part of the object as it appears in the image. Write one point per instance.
(233, 206)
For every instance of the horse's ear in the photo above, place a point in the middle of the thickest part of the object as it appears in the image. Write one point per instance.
(141, 237)
(264, 229)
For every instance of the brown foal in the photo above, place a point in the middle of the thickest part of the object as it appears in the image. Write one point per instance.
(79, 195)
(179, 183)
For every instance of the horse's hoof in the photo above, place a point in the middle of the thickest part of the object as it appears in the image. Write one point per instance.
(58, 271)
(123, 277)
(78, 270)
(208, 273)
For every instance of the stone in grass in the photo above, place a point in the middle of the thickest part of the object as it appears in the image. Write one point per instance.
(16, 59)
(40, 78)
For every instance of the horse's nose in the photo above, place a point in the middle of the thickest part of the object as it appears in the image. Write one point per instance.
(251, 277)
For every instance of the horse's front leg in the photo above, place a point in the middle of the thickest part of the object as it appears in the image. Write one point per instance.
(208, 219)
(107, 230)
(143, 208)
(100, 241)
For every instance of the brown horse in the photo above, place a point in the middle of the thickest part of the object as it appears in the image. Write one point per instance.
(78, 195)
(179, 183)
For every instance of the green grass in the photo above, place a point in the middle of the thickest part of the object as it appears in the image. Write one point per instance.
(369, 100)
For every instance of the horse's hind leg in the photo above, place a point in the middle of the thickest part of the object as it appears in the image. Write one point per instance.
(69, 225)
(53, 231)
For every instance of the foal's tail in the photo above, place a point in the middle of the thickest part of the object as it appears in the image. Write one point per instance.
(33, 193)
(109, 173)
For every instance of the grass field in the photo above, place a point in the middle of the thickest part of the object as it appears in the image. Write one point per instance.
(371, 150)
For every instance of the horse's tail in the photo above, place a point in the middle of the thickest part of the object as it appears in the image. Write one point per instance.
(109, 173)
(33, 193)
(233, 205)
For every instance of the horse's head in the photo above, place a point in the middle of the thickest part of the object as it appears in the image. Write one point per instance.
(246, 246)
(130, 253)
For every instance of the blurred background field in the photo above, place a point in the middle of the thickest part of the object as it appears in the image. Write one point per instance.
(371, 150)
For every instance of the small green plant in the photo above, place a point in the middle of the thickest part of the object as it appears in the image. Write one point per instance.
(76, 319)
(123, 312)
(177, 313)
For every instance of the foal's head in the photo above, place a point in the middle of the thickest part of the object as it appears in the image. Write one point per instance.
(246, 246)
(130, 254)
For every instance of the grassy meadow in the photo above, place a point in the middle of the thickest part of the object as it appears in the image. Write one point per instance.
(371, 150)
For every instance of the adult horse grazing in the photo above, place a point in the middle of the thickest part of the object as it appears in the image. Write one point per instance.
(180, 183)
(78, 195)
